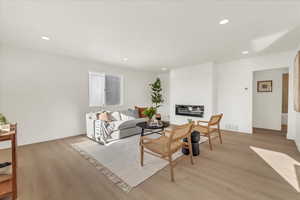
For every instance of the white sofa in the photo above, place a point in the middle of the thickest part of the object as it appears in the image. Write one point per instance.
(124, 123)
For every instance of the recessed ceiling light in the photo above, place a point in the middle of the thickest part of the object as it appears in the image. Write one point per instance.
(125, 59)
(164, 69)
(45, 38)
(245, 52)
(224, 21)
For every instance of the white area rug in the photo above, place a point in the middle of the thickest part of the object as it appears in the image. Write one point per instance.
(120, 160)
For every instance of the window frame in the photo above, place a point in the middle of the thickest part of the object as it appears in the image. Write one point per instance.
(121, 77)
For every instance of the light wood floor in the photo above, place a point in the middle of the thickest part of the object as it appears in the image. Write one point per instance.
(54, 171)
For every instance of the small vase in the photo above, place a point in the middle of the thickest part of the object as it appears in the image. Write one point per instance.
(158, 117)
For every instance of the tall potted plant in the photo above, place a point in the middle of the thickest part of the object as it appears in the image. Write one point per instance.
(156, 95)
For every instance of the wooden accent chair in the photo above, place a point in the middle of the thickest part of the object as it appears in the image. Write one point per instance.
(206, 128)
(167, 144)
(8, 183)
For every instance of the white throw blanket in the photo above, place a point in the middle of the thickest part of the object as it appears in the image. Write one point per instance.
(104, 132)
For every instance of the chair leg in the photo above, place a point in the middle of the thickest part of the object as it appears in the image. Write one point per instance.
(171, 167)
(191, 150)
(209, 140)
(220, 137)
(142, 155)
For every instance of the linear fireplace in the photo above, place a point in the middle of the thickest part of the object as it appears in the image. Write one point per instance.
(189, 110)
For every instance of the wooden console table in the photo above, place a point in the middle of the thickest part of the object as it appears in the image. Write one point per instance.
(8, 186)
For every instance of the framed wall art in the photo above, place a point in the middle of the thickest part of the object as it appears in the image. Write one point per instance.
(264, 86)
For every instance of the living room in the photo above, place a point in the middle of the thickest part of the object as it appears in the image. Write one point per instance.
(204, 54)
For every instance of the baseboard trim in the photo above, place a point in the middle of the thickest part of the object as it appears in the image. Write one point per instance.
(52, 139)
(265, 129)
(235, 131)
(43, 141)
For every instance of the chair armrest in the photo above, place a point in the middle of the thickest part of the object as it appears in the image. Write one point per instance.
(201, 121)
(146, 140)
(167, 133)
(202, 126)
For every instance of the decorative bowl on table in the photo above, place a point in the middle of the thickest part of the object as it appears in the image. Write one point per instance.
(155, 123)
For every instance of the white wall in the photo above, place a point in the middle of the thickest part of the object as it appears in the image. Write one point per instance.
(235, 87)
(267, 106)
(191, 85)
(227, 88)
(48, 94)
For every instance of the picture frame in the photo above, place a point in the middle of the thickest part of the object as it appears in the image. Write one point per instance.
(265, 86)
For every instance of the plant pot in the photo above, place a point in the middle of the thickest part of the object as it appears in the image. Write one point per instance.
(149, 120)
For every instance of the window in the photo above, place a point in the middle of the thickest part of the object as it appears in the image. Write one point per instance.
(105, 89)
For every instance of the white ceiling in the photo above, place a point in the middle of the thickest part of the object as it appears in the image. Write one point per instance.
(152, 33)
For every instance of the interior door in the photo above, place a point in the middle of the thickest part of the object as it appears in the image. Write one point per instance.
(285, 92)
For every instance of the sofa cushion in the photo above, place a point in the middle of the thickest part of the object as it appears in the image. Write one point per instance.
(125, 124)
(125, 117)
(92, 116)
(129, 114)
(115, 116)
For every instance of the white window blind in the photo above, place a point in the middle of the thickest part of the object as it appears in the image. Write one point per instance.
(105, 89)
(113, 90)
(96, 89)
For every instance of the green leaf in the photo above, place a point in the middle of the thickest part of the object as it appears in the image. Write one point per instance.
(3, 119)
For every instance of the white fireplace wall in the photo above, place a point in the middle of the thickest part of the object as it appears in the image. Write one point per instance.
(192, 85)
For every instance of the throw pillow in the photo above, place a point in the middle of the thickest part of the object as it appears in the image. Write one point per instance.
(126, 117)
(134, 113)
(140, 111)
(103, 116)
(115, 116)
